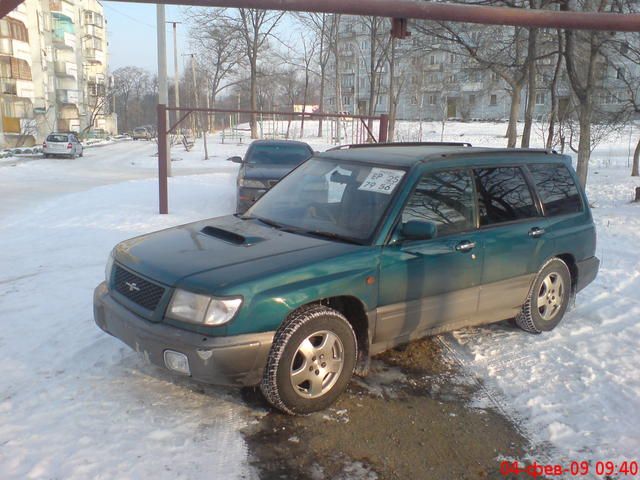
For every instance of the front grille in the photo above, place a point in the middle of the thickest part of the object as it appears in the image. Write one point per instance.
(136, 289)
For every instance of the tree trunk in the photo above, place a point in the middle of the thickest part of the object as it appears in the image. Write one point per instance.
(253, 98)
(553, 115)
(531, 89)
(584, 144)
(391, 130)
(636, 161)
(514, 113)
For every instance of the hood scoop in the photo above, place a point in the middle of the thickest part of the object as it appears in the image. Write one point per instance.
(230, 237)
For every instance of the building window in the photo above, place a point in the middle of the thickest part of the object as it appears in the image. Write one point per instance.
(494, 77)
(414, 100)
(540, 100)
(450, 78)
(472, 100)
(433, 60)
(452, 58)
(12, 28)
(93, 18)
(433, 99)
(381, 102)
(620, 73)
(493, 101)
(346, 100)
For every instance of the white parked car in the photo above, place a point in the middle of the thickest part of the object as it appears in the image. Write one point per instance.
(62, 144)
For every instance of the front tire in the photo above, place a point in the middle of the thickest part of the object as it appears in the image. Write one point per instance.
(548, 298)
(311, 361)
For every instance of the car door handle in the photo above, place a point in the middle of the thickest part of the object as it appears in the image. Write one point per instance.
(536, 232)
(465, 246)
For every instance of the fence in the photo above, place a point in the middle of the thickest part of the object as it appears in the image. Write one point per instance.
(351, 128)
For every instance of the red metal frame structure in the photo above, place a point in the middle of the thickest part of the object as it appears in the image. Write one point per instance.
(163, 131)
(427, 10)
(400, 11)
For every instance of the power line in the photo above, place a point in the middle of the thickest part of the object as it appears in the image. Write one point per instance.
(129, 16)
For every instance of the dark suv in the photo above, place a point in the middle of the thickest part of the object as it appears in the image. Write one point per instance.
(264, 164)
(355, 251)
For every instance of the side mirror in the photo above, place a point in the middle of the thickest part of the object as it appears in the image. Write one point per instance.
(419, 230)
(235, 159)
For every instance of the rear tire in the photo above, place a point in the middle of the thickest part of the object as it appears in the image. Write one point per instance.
(548, 298)
(311, 362)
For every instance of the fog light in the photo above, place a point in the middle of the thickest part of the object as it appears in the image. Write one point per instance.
(176, 361)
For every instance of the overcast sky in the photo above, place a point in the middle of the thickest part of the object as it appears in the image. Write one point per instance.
(131, 31)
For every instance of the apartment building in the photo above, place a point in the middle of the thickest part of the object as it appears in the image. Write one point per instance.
(53, 77)
(437, 81)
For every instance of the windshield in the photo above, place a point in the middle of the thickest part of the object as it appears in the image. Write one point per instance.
(278, 154)
(57, 138)
(330, 198)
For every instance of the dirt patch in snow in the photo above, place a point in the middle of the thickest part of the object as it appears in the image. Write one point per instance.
(410, 418)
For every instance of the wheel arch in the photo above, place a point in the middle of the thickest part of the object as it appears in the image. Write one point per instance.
(573, 268)
(355, 312)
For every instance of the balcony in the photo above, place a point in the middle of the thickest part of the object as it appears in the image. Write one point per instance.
(94, 31)
(63, 7)
(66, 69)
(93, 55)
(472, 87)
(6, 46)
(8, 86)
(67, 96)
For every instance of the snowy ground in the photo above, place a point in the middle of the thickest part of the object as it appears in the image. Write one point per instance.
(75, 403)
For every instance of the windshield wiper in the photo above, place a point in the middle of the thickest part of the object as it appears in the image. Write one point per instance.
(318, 233)
(271, 223)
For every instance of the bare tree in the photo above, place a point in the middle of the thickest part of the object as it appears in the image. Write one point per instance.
(131, 85)
(219, 53)
(397, 80)
(255, 27)
(584, 52)
(626, 48)
(323, 26)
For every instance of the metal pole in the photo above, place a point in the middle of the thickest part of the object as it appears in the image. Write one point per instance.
(436, 11)
(175, 64)
(196, 117)
(164, 154)
(382, 129)
(162, 159)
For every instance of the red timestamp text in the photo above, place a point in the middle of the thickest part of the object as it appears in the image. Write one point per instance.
(626, 468)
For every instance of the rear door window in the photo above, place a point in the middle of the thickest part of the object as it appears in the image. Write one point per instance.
(444, 198)
(503, 195)
(556, 188)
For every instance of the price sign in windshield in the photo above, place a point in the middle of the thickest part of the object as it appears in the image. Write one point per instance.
(382, 180)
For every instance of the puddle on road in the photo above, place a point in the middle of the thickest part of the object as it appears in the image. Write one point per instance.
(410, 418)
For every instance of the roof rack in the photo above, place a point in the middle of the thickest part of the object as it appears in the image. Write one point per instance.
(521, 151)
(401, 144)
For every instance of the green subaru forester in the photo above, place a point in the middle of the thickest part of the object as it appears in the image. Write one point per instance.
(357, 250)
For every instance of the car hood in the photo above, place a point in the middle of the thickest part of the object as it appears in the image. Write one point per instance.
(240, 250)
(265, 171)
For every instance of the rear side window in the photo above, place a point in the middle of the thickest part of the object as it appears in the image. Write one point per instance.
(503, 195)
(444, 198)
(556, 189)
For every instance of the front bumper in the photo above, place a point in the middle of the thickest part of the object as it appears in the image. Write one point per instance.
(587, 272)
(237, 360)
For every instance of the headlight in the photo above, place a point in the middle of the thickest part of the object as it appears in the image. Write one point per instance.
(251, 183)
(202, 309)
(108, 268)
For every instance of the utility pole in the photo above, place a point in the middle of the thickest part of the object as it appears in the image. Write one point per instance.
(162, 100)
(195, 91)
(176, 79)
